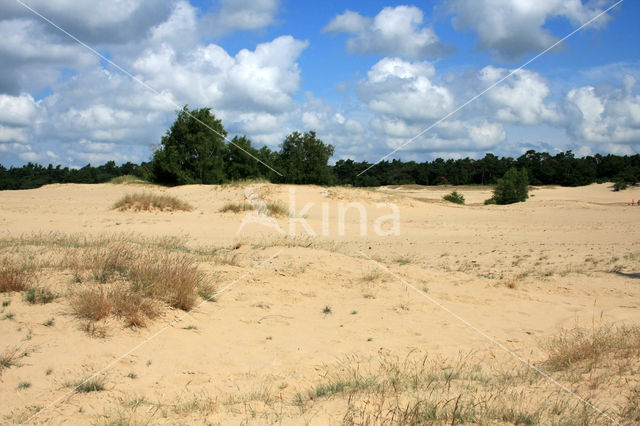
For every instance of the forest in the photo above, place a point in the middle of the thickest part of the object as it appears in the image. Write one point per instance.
(195, 150)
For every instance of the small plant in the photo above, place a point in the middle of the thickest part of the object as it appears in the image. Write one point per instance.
(454, 197)
(95, 384)
(9, 358)
(38, 295)
(9, 315)
(147, 202)
(6, 303)
(49, 322)
(354, 312)
(23, 385)
(48, 371)
(132, 375)
(326, 310)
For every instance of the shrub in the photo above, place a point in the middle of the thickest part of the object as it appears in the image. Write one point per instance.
(454, 197)
(145, 201)
(620, 185)
(513, 187)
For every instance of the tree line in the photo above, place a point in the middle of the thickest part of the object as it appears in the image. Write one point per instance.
(195, 150)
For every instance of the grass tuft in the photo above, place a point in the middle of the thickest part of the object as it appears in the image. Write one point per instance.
(39, 295)
(95, 384)
(14, 277)
(147, 202)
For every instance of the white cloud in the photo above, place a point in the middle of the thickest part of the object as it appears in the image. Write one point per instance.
(520, 98)
(404, 90)
(17, 110)
(396, 31)
(514, 28)
(605, 114)
(237, 15)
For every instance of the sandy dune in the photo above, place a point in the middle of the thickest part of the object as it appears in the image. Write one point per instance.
(519, 273)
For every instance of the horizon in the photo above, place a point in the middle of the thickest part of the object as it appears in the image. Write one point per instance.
(366, 76)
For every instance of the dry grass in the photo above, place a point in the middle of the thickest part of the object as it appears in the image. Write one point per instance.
(587, 348)
(273, 208)
(113, 276)
(14, 277)
(147, 202)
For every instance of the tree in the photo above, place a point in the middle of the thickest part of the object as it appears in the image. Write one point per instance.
(240, 159)
(192, 150)
(513, 187)
(303, 158)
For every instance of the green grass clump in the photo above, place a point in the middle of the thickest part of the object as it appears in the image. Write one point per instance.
(38, 295)
(95, 384)
(127, 179)
(454, 197)
(148, 202)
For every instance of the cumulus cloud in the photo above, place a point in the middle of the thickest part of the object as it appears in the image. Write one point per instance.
(605, 114)
(396, 31)
(404, 90)
(512, 29)
(519, 99)
(17, 110)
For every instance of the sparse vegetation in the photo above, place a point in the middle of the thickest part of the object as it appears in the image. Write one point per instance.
(589, 347)
(326, 310)
(95, 384)
(454, 197)
(39, 295)
(273, 208)
(148, 202)
(23, 385)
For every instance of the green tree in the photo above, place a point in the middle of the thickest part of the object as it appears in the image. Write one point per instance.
(192, 151)
(240, 159)
(513, 187)
(303, 158)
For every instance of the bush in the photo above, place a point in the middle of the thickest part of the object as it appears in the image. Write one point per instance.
(513, 187)
(455, 197)
(620, 186)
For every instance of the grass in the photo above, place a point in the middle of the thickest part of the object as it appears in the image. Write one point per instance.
(14, 277)
(23, 385)
(10, 357)
(96, 384)
(147, 202)
(273, 208)
(38, 295)
(127, 179)
(113, 275)
(326, 310)
(589, 347)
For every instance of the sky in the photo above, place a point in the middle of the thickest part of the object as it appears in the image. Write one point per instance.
(368, 76)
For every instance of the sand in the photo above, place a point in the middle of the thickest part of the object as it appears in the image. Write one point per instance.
(519, 273)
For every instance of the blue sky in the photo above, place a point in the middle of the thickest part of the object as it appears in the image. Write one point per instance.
(367, 76)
